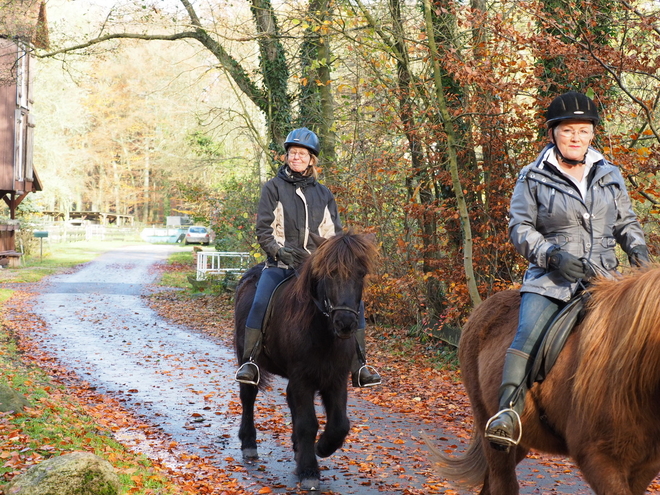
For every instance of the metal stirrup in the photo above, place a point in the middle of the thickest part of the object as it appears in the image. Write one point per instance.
(500, 439)
(372, 371)
(248, 382)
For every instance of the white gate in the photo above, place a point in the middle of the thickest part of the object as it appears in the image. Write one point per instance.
(220, 263)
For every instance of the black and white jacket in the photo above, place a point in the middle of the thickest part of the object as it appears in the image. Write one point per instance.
(292, 206)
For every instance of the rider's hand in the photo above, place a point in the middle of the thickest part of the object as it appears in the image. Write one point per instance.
(639, 256)
(568, 265)
(286, 255)
(299, 256)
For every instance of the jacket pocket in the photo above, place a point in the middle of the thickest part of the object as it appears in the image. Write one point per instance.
(609, 260)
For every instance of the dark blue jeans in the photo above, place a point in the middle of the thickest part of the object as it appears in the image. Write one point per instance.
(536, 313)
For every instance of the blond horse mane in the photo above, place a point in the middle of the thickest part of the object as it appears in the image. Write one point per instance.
(619, 349)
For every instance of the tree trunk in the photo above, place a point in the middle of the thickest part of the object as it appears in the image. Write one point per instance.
(448, 127)
(316, 102)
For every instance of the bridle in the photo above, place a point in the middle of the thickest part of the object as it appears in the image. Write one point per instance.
(326, 307)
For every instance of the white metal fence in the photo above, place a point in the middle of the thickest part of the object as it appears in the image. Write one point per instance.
(221, 262)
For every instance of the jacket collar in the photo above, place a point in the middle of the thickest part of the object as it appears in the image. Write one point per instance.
(288, 175)
(600, 166)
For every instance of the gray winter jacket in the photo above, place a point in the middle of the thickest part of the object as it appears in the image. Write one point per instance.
(547, 210)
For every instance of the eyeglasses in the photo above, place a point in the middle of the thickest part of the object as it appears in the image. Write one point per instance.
(581, 133)
(301, 154)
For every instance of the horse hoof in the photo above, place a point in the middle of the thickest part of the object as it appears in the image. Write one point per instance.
(310, 484)
(320, 452)
(250, 454)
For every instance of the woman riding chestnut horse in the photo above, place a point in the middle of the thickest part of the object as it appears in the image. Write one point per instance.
(569, 204)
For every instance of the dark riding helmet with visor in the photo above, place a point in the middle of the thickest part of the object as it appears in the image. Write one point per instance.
(570, 106)
(305, 138)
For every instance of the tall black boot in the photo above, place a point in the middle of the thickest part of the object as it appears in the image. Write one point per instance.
(504, 430)
(361, 374)
(249, 371)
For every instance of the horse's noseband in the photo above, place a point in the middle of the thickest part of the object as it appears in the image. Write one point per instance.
(327, 308)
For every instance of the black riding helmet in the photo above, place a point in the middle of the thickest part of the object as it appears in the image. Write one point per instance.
(571, 106)
(305, 138)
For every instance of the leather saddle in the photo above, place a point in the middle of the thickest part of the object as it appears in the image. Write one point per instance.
(555, 337)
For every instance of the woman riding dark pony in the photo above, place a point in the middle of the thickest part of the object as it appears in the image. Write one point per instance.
(310, 340)
(293, 207)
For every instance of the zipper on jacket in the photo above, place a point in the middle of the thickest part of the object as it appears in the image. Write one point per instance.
(552, 200)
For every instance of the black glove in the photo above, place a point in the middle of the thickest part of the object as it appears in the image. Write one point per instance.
(293, 257)
(569, 266)
(639, 256)
(285, 255)
(299, 256)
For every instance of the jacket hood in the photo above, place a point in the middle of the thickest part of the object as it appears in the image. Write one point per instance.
(593, 156)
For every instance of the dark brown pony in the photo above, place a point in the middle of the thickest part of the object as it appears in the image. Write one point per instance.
(309, 339)
(600, 403)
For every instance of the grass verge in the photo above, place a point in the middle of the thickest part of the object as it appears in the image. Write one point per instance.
(57, 423)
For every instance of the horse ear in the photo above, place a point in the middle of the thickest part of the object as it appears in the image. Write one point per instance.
(317, 239)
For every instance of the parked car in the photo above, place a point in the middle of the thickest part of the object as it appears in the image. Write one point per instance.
(197, 235)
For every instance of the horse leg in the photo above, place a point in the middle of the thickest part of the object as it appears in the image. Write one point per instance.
(605, 475)
(337, 424)
(247, 433)
(643, 478)
(305, 426)
(501, 475)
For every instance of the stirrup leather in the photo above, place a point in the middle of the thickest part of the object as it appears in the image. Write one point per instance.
(248, 382)
(509, 442)
(372, 371)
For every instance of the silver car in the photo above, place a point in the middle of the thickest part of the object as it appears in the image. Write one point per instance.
(197, 235)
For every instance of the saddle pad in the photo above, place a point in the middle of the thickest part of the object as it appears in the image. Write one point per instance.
(270, 309)
(556, 336)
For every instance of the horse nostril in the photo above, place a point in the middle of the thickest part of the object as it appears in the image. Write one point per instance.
(345, 325)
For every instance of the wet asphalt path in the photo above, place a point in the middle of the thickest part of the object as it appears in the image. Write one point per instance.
(182, 382)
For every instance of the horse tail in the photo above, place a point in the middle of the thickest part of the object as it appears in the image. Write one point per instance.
(468, 470)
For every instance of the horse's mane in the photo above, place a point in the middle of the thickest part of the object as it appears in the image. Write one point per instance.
(619, 349)
(345, 256)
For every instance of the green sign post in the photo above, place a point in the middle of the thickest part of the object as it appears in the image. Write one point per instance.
(41, 234)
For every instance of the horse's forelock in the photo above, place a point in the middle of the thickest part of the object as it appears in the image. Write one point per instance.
(344, 256)
(620, 345)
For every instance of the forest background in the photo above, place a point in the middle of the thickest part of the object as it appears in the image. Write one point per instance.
(426, 111)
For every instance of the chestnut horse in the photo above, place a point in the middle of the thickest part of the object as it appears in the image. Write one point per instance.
(600, 403)
(310, 340)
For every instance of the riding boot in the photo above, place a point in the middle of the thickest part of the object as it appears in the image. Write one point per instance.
(249, 371)
(362, 375)
(504, 430)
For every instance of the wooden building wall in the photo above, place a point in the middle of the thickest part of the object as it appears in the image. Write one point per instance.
(8, 52)
(16, 125)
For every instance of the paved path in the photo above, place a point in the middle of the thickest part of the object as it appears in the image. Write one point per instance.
(181, 381)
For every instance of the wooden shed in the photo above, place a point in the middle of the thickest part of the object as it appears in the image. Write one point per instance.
(23, 27)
